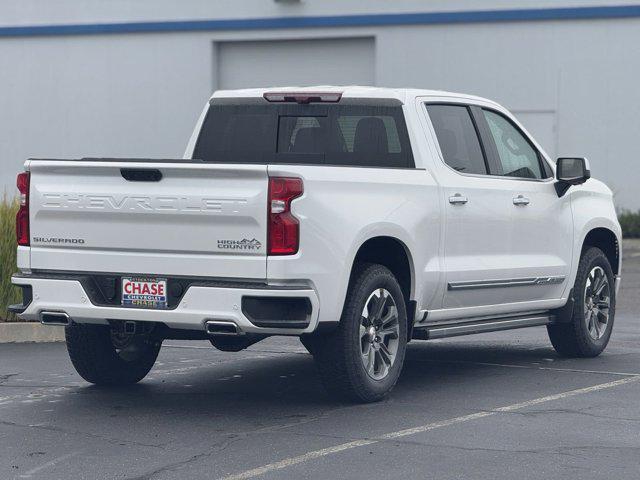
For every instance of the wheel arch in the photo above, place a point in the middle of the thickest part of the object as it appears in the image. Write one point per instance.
(607, 241)
(392, 253)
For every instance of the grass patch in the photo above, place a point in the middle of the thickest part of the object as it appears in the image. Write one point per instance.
(8, 293)
(630, 223)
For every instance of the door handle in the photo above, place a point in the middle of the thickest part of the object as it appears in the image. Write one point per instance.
(458, 199)
(520, 200)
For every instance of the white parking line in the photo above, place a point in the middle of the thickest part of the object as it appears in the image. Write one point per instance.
(423, 428)
(52, 463)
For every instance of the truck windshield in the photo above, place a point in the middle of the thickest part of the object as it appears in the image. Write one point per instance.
(317, 134)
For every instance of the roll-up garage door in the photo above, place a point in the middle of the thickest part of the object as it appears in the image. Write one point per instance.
(335, 61)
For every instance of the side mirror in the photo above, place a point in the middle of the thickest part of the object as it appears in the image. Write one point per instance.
(571, 171)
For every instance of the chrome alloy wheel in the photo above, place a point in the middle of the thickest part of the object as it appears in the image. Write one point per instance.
(379, 334)
(597, 300)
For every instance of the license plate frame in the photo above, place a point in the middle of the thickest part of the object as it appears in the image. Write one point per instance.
(144, 292)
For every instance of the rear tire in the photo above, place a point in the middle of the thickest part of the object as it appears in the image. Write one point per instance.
(588, 330)
(93, 353)
(362, 359)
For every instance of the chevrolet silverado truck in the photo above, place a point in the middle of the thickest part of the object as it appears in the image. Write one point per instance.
(354, 218)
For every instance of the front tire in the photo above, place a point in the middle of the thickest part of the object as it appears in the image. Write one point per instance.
(588, 330)
(103, 357)
(362, 359)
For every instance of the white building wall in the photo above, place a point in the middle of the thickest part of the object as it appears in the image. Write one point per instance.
(572, 82)
(136, 95)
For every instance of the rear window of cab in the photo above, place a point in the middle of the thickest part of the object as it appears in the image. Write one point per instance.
(361, 134)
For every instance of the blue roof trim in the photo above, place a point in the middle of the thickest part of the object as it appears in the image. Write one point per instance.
(433, 18)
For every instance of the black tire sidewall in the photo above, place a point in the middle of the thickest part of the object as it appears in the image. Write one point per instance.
(593, 257)
(95, 358)
(369, 280)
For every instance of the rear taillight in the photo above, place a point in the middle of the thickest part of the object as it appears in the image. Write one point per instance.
(284, 228)
(22, 217)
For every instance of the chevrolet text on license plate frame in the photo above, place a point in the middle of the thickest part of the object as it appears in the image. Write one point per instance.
(144, 292)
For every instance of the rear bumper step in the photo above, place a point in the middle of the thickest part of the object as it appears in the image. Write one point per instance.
(480, 326)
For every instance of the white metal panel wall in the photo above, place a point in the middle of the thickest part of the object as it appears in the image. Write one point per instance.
(129, 95)
(337, 61)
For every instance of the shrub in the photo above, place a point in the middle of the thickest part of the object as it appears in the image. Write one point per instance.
(8, 293)
(630, 223)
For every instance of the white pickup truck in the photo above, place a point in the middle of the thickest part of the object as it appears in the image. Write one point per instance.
(355, 218)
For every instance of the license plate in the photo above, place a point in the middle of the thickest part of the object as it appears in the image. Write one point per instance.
(144, 292)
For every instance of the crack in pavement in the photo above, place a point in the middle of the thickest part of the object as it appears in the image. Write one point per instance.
(51, 428)
(235, 437)
(534, 413)
(6, 376)
(173, 466)
(559, 450)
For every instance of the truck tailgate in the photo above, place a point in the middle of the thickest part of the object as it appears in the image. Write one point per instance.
(193, 218)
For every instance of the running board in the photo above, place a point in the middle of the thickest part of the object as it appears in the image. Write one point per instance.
(480, 326)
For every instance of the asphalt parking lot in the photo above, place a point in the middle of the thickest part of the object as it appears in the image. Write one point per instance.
(488, 406)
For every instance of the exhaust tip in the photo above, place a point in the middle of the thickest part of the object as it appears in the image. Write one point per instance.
(54, 318)
(220, 327)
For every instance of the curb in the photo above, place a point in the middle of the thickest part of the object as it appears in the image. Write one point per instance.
(22, 332)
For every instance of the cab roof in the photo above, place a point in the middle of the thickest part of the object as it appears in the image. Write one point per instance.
(350, 91)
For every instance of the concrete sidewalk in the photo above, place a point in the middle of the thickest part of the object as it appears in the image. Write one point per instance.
(21, 332)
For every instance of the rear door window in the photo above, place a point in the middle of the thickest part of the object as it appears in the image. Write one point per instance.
(457, 138)
(316, 134)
